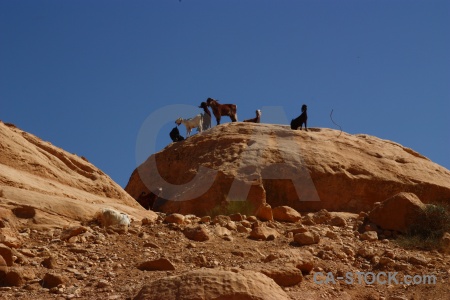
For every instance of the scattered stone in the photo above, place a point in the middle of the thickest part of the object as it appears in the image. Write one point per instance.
(3, 265)
(286, 214)
(151, 245)
(7, 254)
(49, 262)
(14, 278)
(369, 236)
(198, 233)
(222, 231)
(264, 212)
(147, 221)
(213, 284)
(72, 231)
(236, 217)
(367, 252)
(337, 221)
(162, 264)
(308, 220)
(221, 220)
(298, 229)
(102, 283)
(263, 233)
(205, 219)
(271, 257)
(306, 238)
(418, 260)
(386, 261)
(242, 229)
(283, 276)
(51, 280)
(321, 217)
(332, 235)
(174, 219)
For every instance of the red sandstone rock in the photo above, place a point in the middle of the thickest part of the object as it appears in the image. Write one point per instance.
(398, 212)
(50, 186)
(308, 171)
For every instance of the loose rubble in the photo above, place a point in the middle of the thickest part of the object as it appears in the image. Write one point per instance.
(93, 262)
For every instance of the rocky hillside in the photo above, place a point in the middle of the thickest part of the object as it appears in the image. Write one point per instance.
(43, 185)
(52, 248)
(264, 163)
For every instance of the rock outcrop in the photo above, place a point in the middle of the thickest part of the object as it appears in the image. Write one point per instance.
(213, 284)
(43, 185)
(308, 171)
(398, 212)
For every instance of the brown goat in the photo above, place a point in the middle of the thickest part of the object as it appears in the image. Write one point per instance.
(220, 110)
(257, 119)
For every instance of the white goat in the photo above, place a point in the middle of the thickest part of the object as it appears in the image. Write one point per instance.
(110, 217)
(195, 122)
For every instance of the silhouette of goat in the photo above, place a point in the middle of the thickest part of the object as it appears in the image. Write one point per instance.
(302, 119)
(206, 116)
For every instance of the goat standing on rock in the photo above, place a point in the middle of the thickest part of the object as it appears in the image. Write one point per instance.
(222, 110)
(298, 122)
(196, 122)
(206, 116)
(257, 119)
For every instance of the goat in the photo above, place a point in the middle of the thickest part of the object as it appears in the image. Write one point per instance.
(175, 135)
(195, 122)
(257, 119)
(298, 122)
(146, 200)
(220, 110)
(110, 217)
(206, 116)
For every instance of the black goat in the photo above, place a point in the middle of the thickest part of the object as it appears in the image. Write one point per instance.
(175, 135)
(302, 119)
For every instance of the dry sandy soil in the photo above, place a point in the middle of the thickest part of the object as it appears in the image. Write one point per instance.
(103, 264)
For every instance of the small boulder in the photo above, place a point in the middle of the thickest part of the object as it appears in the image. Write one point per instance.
(337, 221)
(197, 233)
(286, 214)
(49, 262)
(7, 254)
(306, 238)
(263, 233)
(162, 264)
(264, 212)
(174, 219)
(321, 217)
(369, 236)
(283, 275)
(222, 231)
(72, 231)
(52, 280)
(398, 212)
(3, 265)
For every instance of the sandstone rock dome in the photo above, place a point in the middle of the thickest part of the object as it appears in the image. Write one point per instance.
(43, 185)
(320, 168)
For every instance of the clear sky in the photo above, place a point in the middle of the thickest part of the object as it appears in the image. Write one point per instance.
(86, 75)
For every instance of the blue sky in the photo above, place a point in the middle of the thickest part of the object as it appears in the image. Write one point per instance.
(86, 75)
